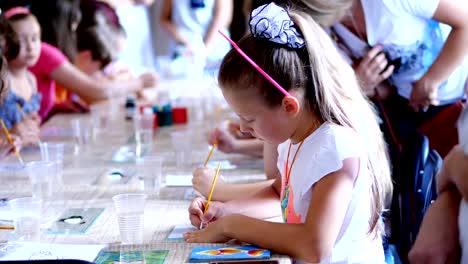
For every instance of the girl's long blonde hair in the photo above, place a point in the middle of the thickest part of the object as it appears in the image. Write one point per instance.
(331, 89)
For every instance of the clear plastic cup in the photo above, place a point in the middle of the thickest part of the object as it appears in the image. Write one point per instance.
(182, 145)
(102, 116)
(130, 210)
(54, 152)
(150, 170)
(143, 124)
(81, 134)
(27, 215)
(41, 174)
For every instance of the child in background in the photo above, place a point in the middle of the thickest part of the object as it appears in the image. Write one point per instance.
(332, 158)
(193, 26)
(60, 19)
(24, 122)
(9, 47)
(95, 50)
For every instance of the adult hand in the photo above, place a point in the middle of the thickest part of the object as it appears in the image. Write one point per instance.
(371, 70)
(424, 94)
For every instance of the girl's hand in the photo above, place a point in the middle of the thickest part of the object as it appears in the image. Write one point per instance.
(226, 142)
(28, 131)
(148, 80)
(202, 180)
(423, 95)
(6, 147)
(215, 211)
(213, 233)
(369, 70)
(35, 117)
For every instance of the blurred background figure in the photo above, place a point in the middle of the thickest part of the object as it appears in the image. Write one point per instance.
(193, 27)
(137, 53)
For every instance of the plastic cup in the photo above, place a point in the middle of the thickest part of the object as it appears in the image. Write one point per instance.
(54, 152)
(102, 116)
(182, 145)
(27, 215)
(81, 134)
(130, 210)
(150, 170)
(41, 174)
(143, 124)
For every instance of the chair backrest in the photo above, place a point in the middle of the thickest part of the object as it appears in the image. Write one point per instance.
(415, 189)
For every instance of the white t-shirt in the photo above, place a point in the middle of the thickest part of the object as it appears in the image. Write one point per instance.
(322, 153)
(409, 35)
(137, 53)
(193, 23)
(463, 230)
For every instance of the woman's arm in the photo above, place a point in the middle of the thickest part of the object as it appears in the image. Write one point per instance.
(222, 16)
(454, 51)
(454, 14)
(166, 21)
(310, 241)
(89, 89)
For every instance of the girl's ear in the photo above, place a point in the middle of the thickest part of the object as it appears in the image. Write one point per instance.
(290, 105)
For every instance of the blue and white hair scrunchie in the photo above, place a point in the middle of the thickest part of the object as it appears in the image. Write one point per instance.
(272, 22)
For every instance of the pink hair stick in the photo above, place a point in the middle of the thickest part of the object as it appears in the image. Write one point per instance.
(255, 65)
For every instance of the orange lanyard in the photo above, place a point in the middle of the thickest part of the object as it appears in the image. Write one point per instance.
(288, 171)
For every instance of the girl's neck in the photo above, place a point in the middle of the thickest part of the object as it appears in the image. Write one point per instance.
(18, 71)
(307, 123)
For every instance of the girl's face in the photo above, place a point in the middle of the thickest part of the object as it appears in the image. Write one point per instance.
(273, 125)
(29, 36)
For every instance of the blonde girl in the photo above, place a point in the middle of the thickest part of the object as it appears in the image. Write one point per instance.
(331, 156)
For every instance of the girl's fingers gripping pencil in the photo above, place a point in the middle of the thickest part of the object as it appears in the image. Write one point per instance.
(207, 205)
(5, 129)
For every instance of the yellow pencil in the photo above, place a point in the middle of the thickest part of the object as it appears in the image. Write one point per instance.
(5, 129)
(7, 228)
(21, 110)
(212, 188)
(209, 154)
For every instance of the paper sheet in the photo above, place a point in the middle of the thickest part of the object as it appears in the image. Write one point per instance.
(37, 251)
(182, 180)
(177, 234)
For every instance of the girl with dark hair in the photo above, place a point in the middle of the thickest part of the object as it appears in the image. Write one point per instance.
(8, 41)
(54, 67)
(23, 93)
(59, 20)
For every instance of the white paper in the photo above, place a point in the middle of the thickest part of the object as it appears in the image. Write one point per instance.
(178, 232)
(181, 180)
(37, 251)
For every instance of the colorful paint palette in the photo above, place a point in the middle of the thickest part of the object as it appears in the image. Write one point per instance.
(204, 254)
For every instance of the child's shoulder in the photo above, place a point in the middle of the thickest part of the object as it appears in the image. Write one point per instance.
(332, 140)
